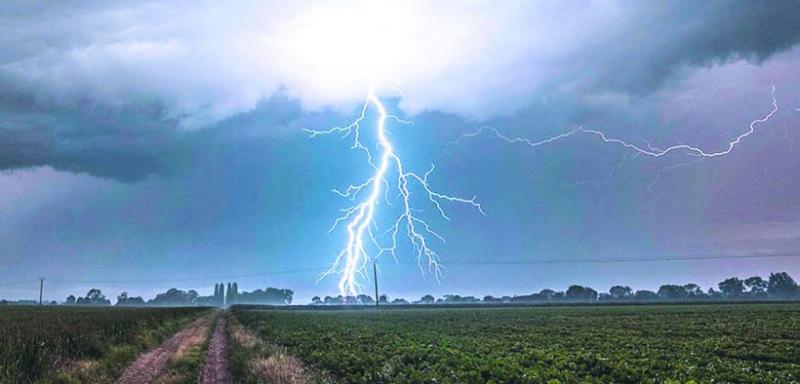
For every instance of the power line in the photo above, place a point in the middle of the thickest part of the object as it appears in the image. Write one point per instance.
(622, 260)
(446, 263)
(206, 278)
(17, 282)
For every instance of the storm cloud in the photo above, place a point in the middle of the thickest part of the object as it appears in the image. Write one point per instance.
(149, 140)
(87, 82)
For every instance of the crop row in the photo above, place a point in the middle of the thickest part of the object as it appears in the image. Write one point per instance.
(642, 344)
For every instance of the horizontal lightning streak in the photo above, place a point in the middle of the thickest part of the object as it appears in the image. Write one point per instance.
(648, 151)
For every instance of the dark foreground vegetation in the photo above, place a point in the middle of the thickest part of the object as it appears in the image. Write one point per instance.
(80, 345)
(743, 343)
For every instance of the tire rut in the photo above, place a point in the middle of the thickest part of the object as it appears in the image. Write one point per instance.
(149, 366)
(215, 369)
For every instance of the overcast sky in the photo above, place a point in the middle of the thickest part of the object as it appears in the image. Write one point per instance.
(146, 145)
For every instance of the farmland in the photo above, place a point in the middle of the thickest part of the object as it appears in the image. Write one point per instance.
(80, 344)
(740, 343)
(748, 343)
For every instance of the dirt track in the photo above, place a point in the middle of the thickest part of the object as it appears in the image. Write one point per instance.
(152, 364)
(215, 370)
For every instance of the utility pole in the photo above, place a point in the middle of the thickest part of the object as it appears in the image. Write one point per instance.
(375, 274)
(41, 286)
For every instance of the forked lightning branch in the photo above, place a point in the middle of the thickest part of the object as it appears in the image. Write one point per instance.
(368, 240)
(365, 237)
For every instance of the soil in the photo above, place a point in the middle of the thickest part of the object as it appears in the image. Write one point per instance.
(215, 370)
(149, 366)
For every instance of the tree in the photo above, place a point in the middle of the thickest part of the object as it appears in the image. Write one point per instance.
(731, 288)
(590, 294)
(694, 292)
(193, 295)
(174, 298)
(781, 286)
(124, 301)
(95, 294)
(427, 299)
(489, 299)
(645, 295)
(70, 300)
(270, 296)
(136, 301)
(451, 298)
(458, 299)
(671, 292)
(235, 293)
(547, 294)
(526, 298)
(580, 293)
(757, 285)
(365, 299)
(619, 292)
(316, 300)
(93, 297)
(399, 302)
(574, 292)
(219, 295)
(383, 299)
(232, 296)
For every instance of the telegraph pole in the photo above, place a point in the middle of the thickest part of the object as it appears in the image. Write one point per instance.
(375, 274)
(41, 286)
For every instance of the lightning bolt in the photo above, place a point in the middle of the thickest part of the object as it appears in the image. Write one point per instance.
(365, 242)
(647, 150)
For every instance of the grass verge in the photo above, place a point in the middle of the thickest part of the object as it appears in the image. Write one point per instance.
(112, 360)
(254, 360)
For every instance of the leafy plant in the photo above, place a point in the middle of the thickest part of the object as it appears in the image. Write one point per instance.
(747, 343)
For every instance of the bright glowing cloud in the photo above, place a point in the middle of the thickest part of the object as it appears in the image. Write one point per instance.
(205, 61)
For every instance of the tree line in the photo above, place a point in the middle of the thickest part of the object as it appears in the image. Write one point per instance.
(224, 295)
(779, 286)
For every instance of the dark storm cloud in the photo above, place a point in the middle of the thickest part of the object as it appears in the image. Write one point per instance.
(126, 144)
(670, 35)
(71, 100)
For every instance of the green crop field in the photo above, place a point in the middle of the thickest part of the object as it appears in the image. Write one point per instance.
(80, 344)
(742, 343)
